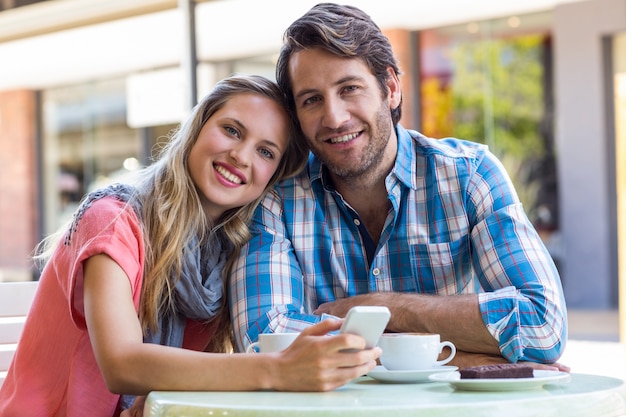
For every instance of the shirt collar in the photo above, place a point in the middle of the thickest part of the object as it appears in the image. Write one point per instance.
(404, 168)
(316, 169)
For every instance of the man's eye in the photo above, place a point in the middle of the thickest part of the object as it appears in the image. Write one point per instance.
(310, 100)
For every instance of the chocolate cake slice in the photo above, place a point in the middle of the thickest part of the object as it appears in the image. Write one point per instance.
(503, 370)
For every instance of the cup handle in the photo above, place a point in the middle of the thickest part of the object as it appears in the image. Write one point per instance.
(252, 347)
(452, 352)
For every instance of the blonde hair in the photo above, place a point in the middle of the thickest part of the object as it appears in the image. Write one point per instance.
(171, 211)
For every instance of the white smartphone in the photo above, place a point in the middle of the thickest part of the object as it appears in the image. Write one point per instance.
(369, 322)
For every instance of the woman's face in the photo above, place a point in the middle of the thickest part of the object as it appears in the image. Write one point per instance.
(238, 151)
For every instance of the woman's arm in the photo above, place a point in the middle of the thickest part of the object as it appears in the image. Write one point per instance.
(314, 362)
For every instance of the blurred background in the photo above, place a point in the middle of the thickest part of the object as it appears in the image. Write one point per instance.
(89, 87)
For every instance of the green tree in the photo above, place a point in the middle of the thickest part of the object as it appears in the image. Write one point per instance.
(499, 99)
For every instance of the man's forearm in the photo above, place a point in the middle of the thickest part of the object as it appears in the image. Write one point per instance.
(456, 318)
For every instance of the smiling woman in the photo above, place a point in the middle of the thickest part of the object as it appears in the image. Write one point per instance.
(139, 272)
(238, 149)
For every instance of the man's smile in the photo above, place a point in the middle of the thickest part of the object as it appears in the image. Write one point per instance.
(344, 138)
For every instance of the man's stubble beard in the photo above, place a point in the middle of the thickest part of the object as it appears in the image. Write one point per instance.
(372, 155)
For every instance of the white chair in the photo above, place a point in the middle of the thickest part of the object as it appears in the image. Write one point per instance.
(15, 301)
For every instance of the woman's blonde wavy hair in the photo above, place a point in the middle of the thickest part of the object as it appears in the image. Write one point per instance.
(171, 210)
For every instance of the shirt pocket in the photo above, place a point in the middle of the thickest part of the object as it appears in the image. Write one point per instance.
(443, 268)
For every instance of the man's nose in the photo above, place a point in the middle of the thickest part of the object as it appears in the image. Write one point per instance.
(335, 113)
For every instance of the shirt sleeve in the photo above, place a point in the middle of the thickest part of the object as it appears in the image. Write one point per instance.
(523, 305)
(107, 227)
(266, 285)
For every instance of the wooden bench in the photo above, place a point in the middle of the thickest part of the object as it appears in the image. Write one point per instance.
(15, 301)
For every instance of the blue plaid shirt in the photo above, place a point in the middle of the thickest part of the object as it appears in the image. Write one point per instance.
(456, 226)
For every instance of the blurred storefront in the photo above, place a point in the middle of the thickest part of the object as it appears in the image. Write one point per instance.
(88, 89)
(491, 82)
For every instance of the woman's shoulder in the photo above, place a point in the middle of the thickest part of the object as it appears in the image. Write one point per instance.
(104, 211)
(106, 216)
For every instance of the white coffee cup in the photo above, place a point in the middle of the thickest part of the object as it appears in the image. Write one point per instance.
(413, 351)
(272, 342)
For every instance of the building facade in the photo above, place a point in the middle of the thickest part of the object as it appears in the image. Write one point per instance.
(87, 89)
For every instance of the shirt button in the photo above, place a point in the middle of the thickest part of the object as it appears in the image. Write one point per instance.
(357, 222)
(376, 272)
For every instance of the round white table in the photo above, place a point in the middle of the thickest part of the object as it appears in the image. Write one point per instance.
(581, 395)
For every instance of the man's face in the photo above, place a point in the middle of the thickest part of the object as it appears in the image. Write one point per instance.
(344, 114)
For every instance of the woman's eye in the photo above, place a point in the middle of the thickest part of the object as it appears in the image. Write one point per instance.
(231, 131)
(266, 153)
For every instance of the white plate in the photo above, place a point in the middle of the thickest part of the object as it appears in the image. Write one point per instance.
(381, 374)
(502, 384)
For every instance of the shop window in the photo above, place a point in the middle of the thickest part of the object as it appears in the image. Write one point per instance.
(87, 144)
(490, 82)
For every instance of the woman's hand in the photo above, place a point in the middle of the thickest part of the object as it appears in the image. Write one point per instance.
(316, 361)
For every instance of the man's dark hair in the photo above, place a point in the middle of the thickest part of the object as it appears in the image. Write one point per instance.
(344, 31)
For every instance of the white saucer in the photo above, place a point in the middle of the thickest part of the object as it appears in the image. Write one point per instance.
(382, 374)
(502, 384)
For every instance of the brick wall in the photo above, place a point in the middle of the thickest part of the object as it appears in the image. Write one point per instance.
(18, 186)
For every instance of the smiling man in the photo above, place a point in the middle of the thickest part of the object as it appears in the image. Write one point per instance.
(432, 229)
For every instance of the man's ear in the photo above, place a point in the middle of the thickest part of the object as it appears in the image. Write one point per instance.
(393, 86)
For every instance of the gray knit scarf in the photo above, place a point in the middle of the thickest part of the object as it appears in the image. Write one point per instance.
(198, 291)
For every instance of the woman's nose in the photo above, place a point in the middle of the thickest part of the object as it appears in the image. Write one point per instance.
(240, 154)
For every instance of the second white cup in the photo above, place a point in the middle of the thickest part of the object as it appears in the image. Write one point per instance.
(413, 351)
(272, 342)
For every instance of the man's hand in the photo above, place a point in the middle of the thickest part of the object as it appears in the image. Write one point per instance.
(466, 359)
(339, 308)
